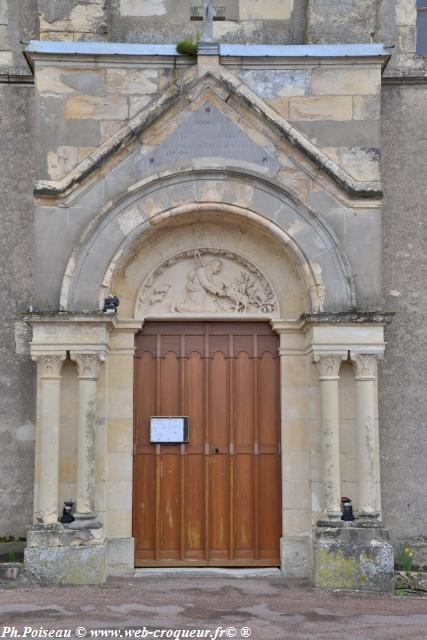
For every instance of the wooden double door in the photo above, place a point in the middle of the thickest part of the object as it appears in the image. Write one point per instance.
(216, 500)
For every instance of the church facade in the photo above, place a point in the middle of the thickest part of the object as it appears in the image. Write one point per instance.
(213, 317)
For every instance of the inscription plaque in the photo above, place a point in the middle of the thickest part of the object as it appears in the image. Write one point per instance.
(168, 429)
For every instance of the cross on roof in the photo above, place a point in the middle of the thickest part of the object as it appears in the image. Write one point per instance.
(207, 35)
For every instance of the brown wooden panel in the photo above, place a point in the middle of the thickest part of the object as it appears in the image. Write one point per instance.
(144, 524)
(218, 405)
(268, 400)
(194, 507)
(216, 500)
(194, 402)
(219, 536)
(244, 535)
(170, 518)
(243, 394)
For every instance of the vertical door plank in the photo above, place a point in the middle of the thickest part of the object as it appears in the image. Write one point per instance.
(218, 438)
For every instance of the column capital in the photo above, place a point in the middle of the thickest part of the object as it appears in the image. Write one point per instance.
(328, 364)
(88, 364)
(365, 365)
(49, 364)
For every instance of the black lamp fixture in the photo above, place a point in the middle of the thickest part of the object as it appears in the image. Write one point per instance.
(347, 510)
(110, 304)
(67, 517)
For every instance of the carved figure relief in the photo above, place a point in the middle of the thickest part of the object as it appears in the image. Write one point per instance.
(207, 281)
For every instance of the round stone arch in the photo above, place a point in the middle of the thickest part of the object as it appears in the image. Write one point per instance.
(112, 236)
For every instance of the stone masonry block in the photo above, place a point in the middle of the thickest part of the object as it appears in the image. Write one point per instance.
(266, 9)
(353, 557)
(67, 565)
(3, 12)
(136, 8)
(4, 44)
(276, 83)
(335, 82)
(99, 108)
(366, 108)
(141, 81)
(5, 58)
(338, 108)
(120, 557)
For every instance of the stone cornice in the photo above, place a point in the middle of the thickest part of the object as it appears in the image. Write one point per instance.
(348, 317)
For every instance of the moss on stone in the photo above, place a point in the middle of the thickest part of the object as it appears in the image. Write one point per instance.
(334, 570)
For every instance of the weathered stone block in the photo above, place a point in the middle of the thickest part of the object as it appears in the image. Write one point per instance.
(143, 9)
(5, 58)
(295, 554)
(276, 83)
(99, 108)
(60, 162)
(4, 44)
(338, 81)
(266, 9)
(338, 108)
(412, 580)
(366, 108)
(120, 557)
(362, 164)
(124, 81)
(84, 17)
(351, 556)
(45, 536)
(9, 572)
(406, 12)
(3, 12)
(66, 565)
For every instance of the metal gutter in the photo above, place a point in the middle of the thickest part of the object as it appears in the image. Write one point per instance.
(53, 47)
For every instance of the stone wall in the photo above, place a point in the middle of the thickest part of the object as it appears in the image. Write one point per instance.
(16, 372)
(403, 391)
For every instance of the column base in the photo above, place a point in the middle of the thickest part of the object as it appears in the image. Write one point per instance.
(66, 554)
(353, 555)
(295, 557)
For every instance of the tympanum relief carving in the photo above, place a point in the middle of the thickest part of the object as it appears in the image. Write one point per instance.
(207, 281)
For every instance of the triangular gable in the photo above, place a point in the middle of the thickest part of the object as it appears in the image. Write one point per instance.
(220, 83)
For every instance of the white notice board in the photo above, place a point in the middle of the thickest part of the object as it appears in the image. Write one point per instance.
(169, 429)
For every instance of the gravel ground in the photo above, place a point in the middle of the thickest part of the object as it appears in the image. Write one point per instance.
(271, 608)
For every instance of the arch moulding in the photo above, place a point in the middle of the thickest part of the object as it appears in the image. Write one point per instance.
(226, 195)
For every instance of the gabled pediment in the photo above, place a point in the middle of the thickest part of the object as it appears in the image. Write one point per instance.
(215, 117)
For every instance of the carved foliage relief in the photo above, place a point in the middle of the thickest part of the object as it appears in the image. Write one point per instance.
(207, 281)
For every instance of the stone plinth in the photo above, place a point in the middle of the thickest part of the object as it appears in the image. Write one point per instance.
(353, 555)
(66, 554)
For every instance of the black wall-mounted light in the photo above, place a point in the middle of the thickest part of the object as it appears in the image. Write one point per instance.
(67, 517)
(110, 304)
(347, 509)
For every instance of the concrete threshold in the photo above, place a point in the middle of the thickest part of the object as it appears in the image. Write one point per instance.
(209, 572)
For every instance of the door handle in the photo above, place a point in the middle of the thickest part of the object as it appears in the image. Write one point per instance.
(214, 450)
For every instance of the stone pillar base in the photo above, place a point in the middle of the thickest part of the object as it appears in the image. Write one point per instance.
(66, 555)
(295, 557)
(353, 555)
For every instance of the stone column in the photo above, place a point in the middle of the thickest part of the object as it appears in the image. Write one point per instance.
(367, 433)
(88, 369)
(49, 368)
(295, 549)
(328, 367)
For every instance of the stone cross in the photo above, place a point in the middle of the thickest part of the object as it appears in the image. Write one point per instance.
(207, 35)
